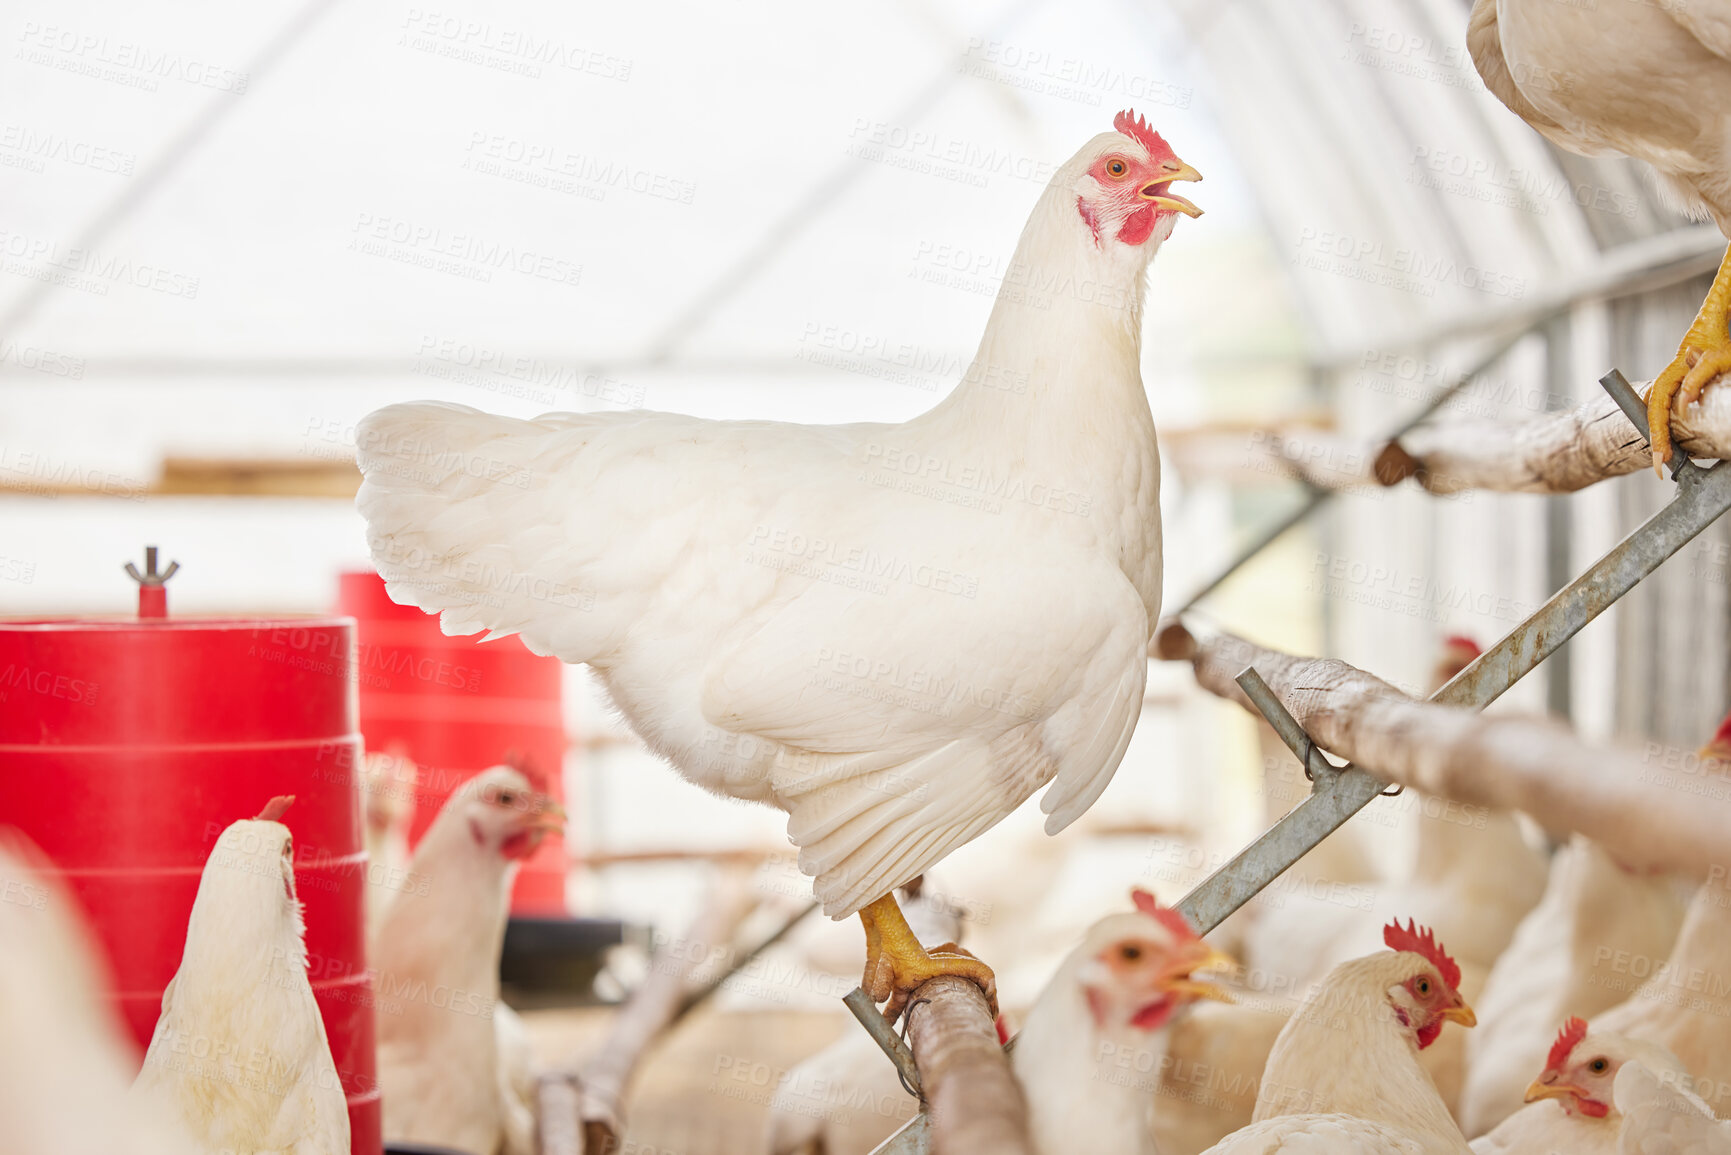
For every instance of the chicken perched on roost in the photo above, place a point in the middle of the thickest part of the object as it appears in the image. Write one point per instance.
(239, 1059)
(896, 633)
(1651, 81)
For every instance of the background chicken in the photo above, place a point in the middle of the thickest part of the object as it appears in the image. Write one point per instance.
(1652, 81)
(1091, 1053)
(440, 1072)
(1662, 1117)
(388, 788)
(748, 591)
(1686, 1004)
(65, 1063)
(241, 993)
(1344, 1076)
(1570, 1106)
(1592, 909)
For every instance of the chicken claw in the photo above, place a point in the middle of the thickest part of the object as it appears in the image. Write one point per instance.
(896, 963)
(1704, 354)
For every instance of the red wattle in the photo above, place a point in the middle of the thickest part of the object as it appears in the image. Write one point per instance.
(1137, 226)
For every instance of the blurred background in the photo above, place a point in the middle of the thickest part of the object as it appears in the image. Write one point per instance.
(228, 233)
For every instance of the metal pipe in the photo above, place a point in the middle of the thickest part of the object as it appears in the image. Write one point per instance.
(1316, 767)
(1702, 496)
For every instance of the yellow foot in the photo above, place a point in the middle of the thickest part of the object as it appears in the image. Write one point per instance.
(1704, 354)
(896, 963)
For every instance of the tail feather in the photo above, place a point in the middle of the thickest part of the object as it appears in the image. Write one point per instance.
(452, 521)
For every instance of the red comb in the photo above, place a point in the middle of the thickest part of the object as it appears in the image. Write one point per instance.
(522, 764)
(1462, 642)
(1722, 736)
(1573, 1032)
(275, 808)
(1133, 126)
(1167, 917)
(1420, 940)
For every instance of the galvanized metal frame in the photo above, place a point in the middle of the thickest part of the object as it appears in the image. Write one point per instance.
(1337, 793)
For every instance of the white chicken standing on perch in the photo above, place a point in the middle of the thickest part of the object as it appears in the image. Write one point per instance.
(1651, 81)
(896, 633)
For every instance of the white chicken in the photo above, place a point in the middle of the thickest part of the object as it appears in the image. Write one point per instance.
(1094, 1047)
(65, 1062)
(239, 1059)
(1652, 81)
(896, 633)
(1570, 1106)
(1344, 1076)
(1662, 1117)
(1686, 1003)
(388, 789)
(1592, 910)
(441, 1027)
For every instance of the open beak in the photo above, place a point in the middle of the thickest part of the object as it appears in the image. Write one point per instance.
(1180, 983)
(549, 814)
(1539, 1089)
(1160, 192)
(1462, 1014)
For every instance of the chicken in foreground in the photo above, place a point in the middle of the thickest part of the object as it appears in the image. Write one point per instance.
(441, 1077)
(1344, 1076)
(65, 1061)
(1570, 1106)
(896, 633)
(1651, 81)
(239, 1059)
(1592, 910)
(1092, 1050)
(1662, 1117)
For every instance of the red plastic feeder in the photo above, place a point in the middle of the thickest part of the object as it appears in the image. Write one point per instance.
(456, 706)
(128, 745)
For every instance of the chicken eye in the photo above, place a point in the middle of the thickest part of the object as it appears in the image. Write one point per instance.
(1116, 167)
(1129, 953)
(1422, 987)
(506, 798)
(1599, 1066)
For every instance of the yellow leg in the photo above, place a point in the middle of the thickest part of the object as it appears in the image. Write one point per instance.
(896, 963)
(1709, 341)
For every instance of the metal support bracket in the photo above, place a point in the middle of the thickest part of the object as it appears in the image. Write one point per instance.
(1702, 496)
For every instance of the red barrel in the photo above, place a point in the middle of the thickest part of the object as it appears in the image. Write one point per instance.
(456, 705)
(127, 746)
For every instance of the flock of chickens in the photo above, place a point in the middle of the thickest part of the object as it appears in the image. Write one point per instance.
(239, 1063)
(1599, 1001)
(706, 569)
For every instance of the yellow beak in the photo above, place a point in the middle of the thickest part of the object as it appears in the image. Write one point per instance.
(1539, 1089)
(1462, 1014)
(1160, 193)
(1182, 984)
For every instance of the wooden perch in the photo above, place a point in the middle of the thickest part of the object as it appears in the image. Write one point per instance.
(651, 1007)
(974, 1101)
(1557, 452)
(1662, 810)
